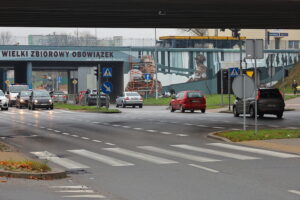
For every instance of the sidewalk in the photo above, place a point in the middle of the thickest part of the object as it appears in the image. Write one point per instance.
(293, 103)
(285, 145)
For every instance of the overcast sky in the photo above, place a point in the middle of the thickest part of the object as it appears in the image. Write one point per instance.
(101, 32)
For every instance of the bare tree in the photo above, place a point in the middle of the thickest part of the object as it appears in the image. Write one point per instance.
(197, 31)
(5, 38)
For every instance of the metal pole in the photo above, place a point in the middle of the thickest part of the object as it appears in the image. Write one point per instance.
(98, 85)
(244, 84)
(155, 62)
(255, 81)
(228, 90)
(222, 88)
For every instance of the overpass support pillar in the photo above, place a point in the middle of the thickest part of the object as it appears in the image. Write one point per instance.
(3, 78)
(29, 74)
(23, 73)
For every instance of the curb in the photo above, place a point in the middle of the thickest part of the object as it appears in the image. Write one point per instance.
(213, 136)
(39, 176)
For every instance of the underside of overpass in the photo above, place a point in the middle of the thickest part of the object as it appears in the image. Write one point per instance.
(23, 74)
(261, 14)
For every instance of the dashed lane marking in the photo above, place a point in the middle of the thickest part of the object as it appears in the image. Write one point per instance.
(66, 133)
(204, 168)
(138, 129)
(74, 135)
(85, 138)
(151, 131)
(294, 192)
(166, 133)
(90, 196)
(97, 141)
(111, 144)
(182, 135)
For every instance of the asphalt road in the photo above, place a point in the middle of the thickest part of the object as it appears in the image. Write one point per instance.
(147, 154)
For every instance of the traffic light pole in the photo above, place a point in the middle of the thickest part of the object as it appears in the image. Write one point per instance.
(98, 85)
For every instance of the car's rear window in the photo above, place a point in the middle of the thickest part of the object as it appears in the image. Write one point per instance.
(270, 94)
(194, 95)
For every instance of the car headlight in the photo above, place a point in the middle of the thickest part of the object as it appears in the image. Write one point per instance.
(21, 100)
(50, 100)
(36, 101)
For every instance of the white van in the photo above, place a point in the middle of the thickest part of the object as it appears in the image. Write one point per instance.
(13, 91)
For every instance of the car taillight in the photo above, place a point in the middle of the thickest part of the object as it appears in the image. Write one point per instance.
(127, 98)
(141, 98)
(54, 96)
(65, 96)
(258, 95)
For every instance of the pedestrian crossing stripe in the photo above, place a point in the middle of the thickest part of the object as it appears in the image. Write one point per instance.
(107, 72)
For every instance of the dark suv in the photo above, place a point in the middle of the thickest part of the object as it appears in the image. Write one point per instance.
(269, 101)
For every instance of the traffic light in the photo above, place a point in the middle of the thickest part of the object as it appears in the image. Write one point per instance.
(96, 72)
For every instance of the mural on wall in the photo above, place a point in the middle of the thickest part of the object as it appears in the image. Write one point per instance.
(201, 69)
(143, 77)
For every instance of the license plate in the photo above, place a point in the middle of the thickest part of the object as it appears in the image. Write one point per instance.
(195, 101)
(271, 105)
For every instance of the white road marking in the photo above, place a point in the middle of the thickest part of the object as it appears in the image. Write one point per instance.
(66, 133)
(189, 124)
(294, 192)
(42, 127)
(182, 135)
(49, 129)
(137, 128)
(97, 141)
(253, 150)
(65, 162)
(91, 196)
(70, 187)
(111, 144)
(151, 131)
(85, 138)
(76, 191)
(116, 125)
(204, 168)
(74, 135)
(214, 152)
(202, 125)
(177, 154)
(126, 126)
(101, 158)
(166, 133)
(96, 122)
(142, 156)
(57, 131)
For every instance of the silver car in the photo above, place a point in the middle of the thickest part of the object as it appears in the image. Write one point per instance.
(3, 101)
(129, 99)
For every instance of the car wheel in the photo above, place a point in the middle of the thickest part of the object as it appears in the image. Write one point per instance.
(117, 105)
(203, 110)
(32, 107)
(182, 109)
(279, 115)
(172, 109)
(133, 106)
(252, 112)
(235, 113)
(123, 105)
(141, 106)
(192, 111)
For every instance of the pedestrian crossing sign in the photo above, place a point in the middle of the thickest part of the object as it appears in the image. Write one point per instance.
(233, 72)
(107, 72)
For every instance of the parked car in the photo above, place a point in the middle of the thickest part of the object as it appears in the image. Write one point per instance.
(189, 100)
(3, 101)
(40, 99)
(22, 99)
(89, 97)
(269, 101)
(59, 96)
(13, 91)
(129, 99)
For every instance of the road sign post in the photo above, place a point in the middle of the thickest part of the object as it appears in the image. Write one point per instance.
(232, 73)
(255, 50)
(98, 86)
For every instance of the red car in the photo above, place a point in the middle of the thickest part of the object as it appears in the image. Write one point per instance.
(189, 100)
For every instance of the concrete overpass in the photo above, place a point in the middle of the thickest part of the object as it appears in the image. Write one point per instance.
(152, 13)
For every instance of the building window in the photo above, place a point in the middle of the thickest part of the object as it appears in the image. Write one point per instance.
(293, 44)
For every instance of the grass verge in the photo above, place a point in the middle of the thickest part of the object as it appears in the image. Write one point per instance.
(212, 101)
(24, 166)
(265, 134)
(85, 108)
